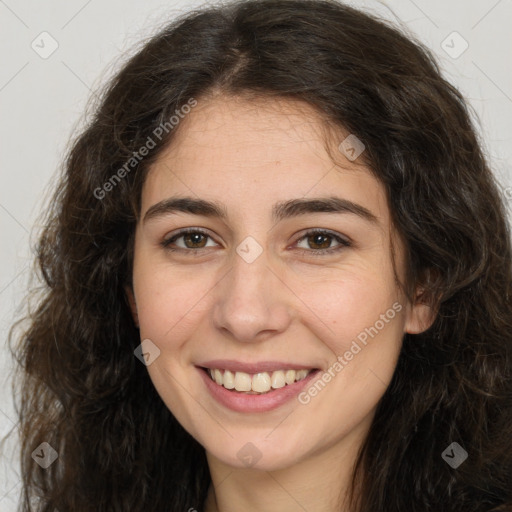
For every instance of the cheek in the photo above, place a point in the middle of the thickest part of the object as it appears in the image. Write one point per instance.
(170, 302)
(338, 310)
(361, 324)
(170, 306)
(360, 320)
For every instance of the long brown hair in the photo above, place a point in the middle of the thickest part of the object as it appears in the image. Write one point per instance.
(84, 392)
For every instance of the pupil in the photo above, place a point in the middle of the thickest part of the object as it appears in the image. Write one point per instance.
(317, 240)
(195, 238)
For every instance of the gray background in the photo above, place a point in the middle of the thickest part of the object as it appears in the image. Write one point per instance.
(43, 99)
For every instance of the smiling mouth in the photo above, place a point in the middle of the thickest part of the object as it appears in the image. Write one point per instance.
(258, 383)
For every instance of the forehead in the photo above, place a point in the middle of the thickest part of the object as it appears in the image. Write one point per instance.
(250, 154)
(275, 128)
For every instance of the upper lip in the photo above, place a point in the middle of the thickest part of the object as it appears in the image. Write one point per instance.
(259, 367)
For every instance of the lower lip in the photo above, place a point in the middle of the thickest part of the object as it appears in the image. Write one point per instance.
(242, 402)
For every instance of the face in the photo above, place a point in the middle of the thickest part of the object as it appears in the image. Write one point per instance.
(279, 259)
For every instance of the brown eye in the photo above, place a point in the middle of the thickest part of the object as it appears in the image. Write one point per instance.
(195, 240)
(319, 242)
(192, 239)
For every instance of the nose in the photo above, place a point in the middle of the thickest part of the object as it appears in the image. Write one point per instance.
(252, 303)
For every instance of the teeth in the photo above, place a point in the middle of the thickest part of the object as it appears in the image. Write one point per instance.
(261, 382)
(277, 381)
(258, 383)
(301, 374)
(229, 380)
(289, 376)
(242, 381)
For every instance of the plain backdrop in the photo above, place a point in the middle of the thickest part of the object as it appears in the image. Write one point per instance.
(55, 54)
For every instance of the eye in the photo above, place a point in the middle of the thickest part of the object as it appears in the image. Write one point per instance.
(192, 239)
(320, 242)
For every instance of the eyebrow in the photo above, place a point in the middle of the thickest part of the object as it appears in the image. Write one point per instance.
(280, 211)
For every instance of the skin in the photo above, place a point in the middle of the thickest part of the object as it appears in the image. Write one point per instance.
(287, 305)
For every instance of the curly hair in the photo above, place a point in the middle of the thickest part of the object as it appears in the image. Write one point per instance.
(82, 390)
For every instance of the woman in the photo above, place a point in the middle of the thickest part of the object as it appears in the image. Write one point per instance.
(277, 275)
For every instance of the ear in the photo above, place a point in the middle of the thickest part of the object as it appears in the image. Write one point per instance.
(133, 305)
(420, 318)
(421, 314)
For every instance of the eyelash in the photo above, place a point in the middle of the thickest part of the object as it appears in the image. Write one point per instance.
(310, 252)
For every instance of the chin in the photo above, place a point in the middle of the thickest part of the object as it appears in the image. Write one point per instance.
(258, 453)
